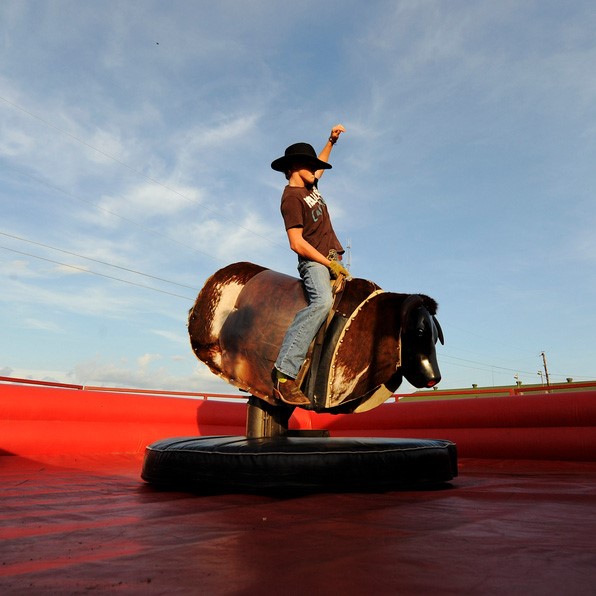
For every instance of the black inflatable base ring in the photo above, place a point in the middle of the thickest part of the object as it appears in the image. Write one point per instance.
(239, 464)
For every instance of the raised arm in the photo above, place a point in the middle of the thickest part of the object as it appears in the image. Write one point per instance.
(326, 151)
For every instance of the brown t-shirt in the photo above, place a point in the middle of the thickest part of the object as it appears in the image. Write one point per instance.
(305, 208)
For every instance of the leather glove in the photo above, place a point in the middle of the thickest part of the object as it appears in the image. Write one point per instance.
(337, 269)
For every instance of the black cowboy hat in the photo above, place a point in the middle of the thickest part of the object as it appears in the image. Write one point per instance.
(299, 153)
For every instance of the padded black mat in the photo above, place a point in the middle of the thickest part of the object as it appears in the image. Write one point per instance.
(238, 464)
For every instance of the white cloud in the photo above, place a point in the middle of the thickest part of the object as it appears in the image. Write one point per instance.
(18, 268)
(177, 338)
(148, 199)
(66, 269)
(14, 142)
(40, 374)
(110, 146)
(96, 300)
(106, 373)
(229, 130)
(145, 361)
(38, 325)
(228, 241)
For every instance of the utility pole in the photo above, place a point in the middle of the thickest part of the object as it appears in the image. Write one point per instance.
(545, 368)
(349, 254)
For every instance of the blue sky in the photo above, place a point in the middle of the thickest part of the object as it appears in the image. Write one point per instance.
(135, 143)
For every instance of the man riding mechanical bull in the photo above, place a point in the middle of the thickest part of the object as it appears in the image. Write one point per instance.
(312, 238)
(326, 342)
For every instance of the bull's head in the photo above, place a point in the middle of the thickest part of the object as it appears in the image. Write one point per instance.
(420, 331)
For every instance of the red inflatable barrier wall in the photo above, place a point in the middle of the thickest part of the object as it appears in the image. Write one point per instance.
(38, 419)
(558, 426)
(51, 420)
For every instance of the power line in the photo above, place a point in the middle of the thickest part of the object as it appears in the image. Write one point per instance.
(491, 366)
(132, 283)
(74, 254)
(487, 367)
(493, 341)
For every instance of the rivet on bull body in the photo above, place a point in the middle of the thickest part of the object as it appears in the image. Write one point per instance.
(371, 341)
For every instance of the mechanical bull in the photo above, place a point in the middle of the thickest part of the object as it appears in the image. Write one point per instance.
(372, 338)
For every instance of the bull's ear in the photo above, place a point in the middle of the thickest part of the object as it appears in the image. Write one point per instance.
(439, 331)
(430, 304)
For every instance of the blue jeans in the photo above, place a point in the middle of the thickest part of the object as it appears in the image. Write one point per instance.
(307, 321)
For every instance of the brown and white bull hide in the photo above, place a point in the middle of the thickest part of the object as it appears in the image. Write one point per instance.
(241, 315)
